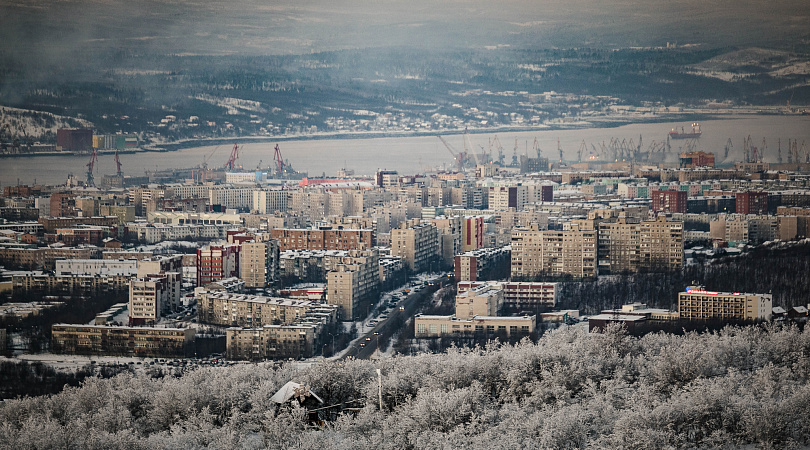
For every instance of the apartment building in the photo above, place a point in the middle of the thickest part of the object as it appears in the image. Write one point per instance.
(69, 284)
(259, 263)
(501, 198)
(480, 264)
(96, 267)
(520, 295)
(485, 299)
(571, 251)
(426, 326)
(271, 342)
(231, 198)
(450, 230)
(697, 303)
(417, 243)
(752, 202)
(628, 246)
(324, 239)
(152, 296)
(152, 233)
(125, 341)
(268, 202)
(669, 201)
(353, 282)
(243, 310)
(215, 262)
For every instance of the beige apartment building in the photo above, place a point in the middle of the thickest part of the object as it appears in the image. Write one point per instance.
(628, 246)
(352, 283)
(450, 229)
(696, 303)
(437, 326)
(417, 243)
(520, 295)
(571, 251)
(243, 310)
(259, 263)
(113, 340)
(153, 295)
(271, 342)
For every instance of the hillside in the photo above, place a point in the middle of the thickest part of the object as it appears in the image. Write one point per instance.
(572, 390)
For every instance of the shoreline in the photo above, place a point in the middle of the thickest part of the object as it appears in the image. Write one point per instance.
(590, 124)
(205, 142)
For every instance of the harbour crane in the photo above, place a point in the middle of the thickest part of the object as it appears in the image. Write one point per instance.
(559, 149)
(459, 157)
(231, 164)
(582, 148)
(536, 147)
(465, 138)
(280, 164)
(90, 166)
(779, 150)
(729, 146)
(497, 144)
(118, 165)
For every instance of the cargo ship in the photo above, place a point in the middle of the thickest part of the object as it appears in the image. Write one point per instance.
(675, 134)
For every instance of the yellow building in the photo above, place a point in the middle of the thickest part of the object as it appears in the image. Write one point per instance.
(698, 303)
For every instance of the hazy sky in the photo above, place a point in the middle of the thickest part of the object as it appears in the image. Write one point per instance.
(55, 28)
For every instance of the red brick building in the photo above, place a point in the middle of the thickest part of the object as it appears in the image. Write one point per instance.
(74, 139)
(693, 160)
(669, 201)
(752, 202)
(293, 239)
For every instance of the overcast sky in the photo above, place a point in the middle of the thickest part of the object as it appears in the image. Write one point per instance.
(54, 28)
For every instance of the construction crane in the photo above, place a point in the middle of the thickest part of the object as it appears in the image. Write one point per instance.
(118, 165)
(90, 166)
(231, 164)
(459, 157)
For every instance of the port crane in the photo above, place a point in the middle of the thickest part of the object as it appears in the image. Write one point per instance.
(497, 144)
(280, 164)
(231, 164)
(459, 157)
(729, 146)
(118, 165)
(90, 166)
(582, 148)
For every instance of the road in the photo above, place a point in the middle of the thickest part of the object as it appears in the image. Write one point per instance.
(364, 347)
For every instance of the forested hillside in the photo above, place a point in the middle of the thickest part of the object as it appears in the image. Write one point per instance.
(571, 390)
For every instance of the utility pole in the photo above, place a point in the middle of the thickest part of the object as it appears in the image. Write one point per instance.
(379, 384)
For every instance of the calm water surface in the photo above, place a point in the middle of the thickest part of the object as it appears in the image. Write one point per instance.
(415, 154)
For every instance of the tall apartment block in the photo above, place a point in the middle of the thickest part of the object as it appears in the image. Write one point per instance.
(417, 243)
(259, 263)
(571, 251)
(625, 246)
(216, 262)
